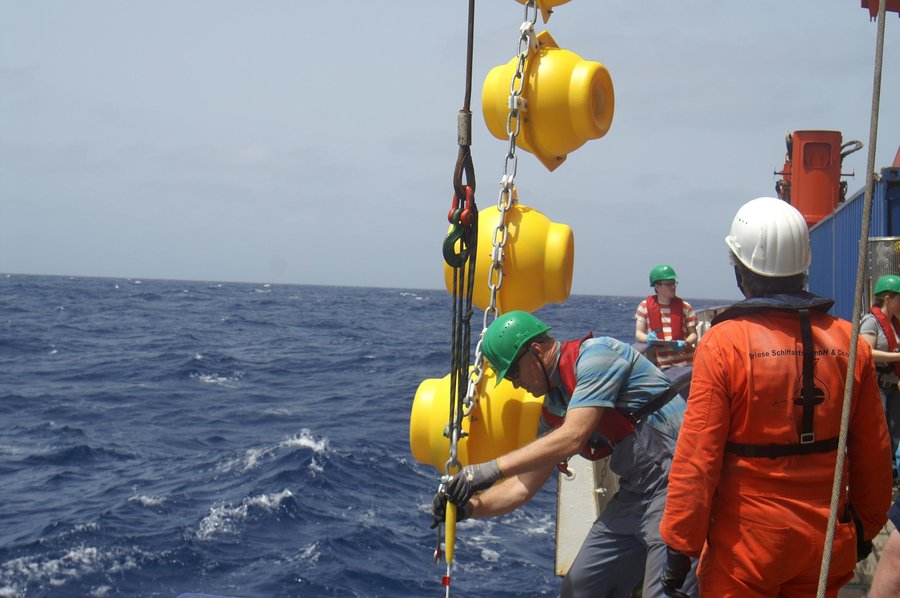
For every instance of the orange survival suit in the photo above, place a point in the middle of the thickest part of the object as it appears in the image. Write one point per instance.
(750, 483)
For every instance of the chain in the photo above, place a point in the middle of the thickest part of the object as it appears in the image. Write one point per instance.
(508, 196)
(464, 263)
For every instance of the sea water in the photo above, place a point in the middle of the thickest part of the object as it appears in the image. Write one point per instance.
(163, 437)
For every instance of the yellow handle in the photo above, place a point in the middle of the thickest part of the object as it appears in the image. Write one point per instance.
(450, 534)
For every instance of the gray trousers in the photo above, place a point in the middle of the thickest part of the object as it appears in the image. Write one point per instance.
(624, 544)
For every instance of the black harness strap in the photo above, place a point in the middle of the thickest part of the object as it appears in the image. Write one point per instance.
(810, 396)
(782, 450)
(657, 402)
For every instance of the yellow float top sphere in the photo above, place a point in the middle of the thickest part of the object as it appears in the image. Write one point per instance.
(568, 101)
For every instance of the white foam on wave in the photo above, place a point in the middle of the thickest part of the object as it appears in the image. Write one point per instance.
(480, 535)
(224, 519)
(311, 553)
(308, 555)
(81, 528)
(369, 517)
(483, 531)
(413, 295)
(306, 439)
(253, 457)
(279, 411)
(543, 525)
(9, 449)
(231, 381)
(148, 501)
(77, 562)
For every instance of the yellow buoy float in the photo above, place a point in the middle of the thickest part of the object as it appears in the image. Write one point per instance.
(568, 101)
(538, 260)
(504, 419)
(546, 6)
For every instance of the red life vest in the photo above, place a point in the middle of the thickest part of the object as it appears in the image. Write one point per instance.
(613, 425)
(676, 316)
(890, 329)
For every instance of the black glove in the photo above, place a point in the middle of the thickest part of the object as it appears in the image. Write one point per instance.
(471, 479)
(678, 566)
(439, 510)
(863, 547)
(863, 550)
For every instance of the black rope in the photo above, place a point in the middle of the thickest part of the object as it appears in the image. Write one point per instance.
(463, 285)
(464, 164)
(464, 218)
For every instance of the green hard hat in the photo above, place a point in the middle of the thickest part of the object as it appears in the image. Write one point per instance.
(662, 272)
(888, 283)
(506, 336)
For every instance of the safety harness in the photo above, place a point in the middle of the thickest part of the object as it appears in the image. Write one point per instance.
(614, 426)
(676, 316)
(802, 303)
(891, 329)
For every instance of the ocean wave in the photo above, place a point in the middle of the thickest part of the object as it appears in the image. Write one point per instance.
(18, 575)
(148, 501)
(231, 380)
(54, 429)
(266, 456)
(252, 458)
(225, 520)
(73, 455)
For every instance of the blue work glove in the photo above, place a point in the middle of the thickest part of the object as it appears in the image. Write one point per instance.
(678, 565)
(680, 345)
(471, 479)
(651, 337)
(439, 510)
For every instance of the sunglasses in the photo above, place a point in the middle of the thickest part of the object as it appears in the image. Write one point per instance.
(668, 283)
(512, 373)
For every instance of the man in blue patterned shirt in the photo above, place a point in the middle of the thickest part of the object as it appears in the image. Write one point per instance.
(601, 397)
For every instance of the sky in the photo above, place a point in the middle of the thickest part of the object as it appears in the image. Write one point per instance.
(314, 142)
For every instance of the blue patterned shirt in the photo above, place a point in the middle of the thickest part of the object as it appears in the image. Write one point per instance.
(610, 373)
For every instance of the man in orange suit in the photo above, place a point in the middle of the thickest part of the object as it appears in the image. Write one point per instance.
(750, 484)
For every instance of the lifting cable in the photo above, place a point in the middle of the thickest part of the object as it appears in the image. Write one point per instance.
(463, 384)
(460, 250)
(836, 489)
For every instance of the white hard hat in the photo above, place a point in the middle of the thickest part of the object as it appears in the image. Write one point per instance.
(770, 237)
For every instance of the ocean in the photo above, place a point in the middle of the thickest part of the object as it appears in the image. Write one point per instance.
(252, 440)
